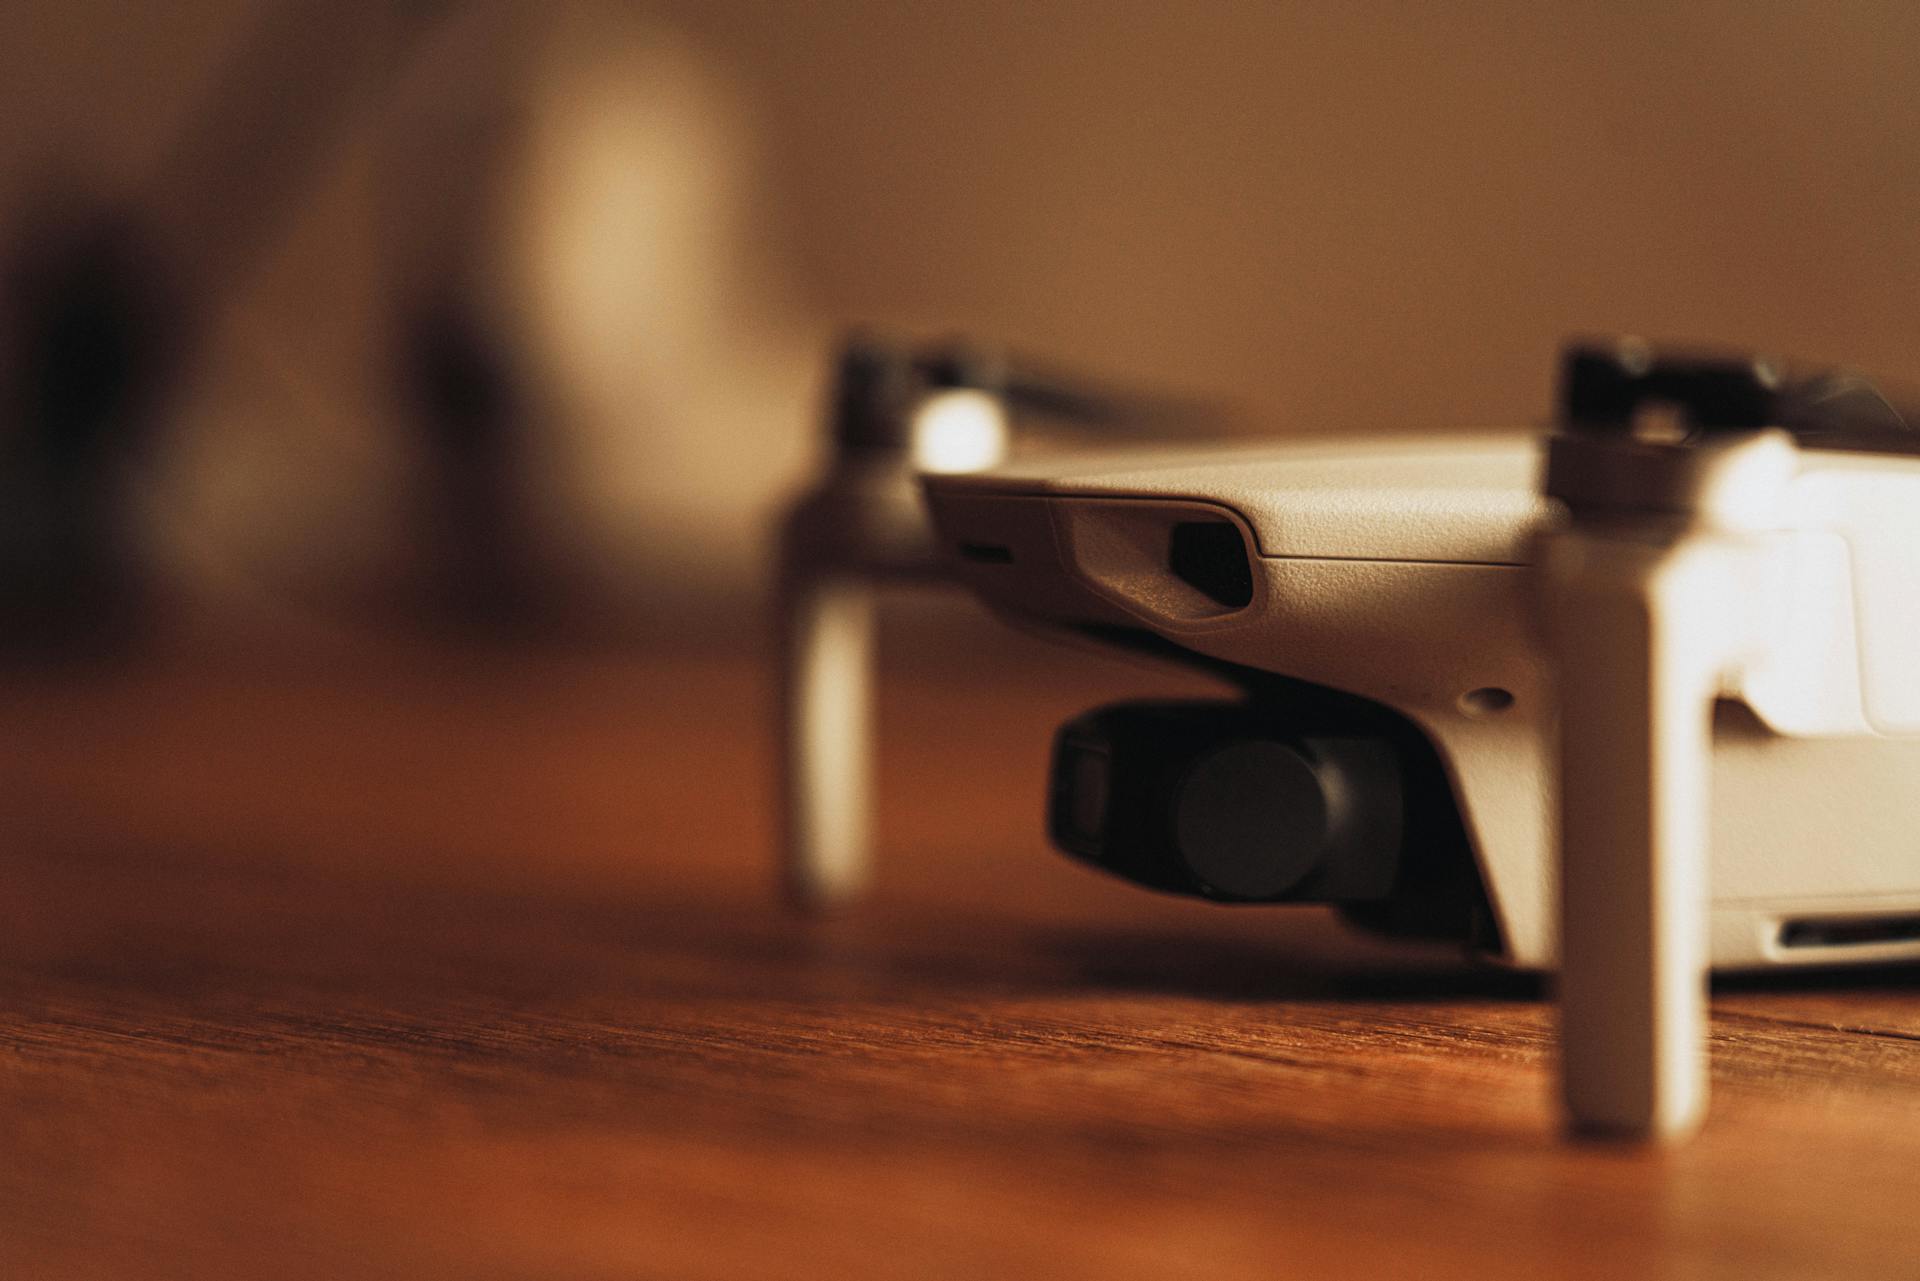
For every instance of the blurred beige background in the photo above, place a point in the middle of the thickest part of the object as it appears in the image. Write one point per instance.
(1343, 218)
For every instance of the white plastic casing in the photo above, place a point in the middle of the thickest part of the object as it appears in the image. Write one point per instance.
(1397, 569)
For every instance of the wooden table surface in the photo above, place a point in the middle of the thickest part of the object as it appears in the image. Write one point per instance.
(466, 966)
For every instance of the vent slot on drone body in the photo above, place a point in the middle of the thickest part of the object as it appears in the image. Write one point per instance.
(1850, 931)
(987, 553)
(1211, 557)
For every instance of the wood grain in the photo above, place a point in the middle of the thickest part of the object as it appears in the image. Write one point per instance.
(467, 966)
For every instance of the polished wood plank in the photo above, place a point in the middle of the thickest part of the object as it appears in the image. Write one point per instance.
(467, 965)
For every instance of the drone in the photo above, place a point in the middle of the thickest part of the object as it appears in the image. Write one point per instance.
(1630, 700)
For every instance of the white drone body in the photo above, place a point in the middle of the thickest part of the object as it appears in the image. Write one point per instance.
(1671, 686)
(1400, 571)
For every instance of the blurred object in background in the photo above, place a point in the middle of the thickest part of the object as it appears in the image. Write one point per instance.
(471, 394)
(88, 335)
(534, 325)
(572, 191)
(108, 292)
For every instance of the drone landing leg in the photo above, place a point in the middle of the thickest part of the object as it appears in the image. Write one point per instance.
(1639, 632)
(826, 671)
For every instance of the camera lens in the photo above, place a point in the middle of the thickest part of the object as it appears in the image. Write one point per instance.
(1250, 819)
(1227, 801)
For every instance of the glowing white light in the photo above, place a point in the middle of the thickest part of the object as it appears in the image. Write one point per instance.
(958, 431)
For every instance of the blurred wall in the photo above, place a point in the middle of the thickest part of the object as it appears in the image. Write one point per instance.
(1341, 217)
(1351, 215)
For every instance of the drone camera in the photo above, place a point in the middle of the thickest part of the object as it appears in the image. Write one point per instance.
(1225, 801)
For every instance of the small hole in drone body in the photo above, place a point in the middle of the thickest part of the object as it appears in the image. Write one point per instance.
(987, 553)
(1488, 700)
